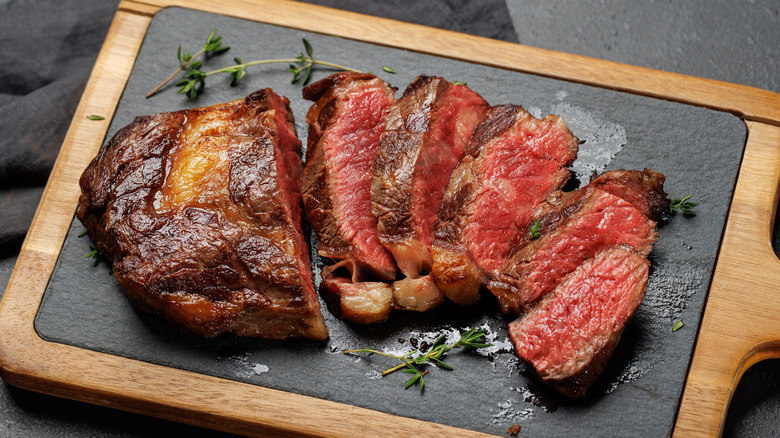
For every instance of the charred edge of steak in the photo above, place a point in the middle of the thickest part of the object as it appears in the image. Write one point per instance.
(427, 132)
(337, 208)
(570, 335)
(407, 122)
(643, 189)
(208, 246)
(573, 227)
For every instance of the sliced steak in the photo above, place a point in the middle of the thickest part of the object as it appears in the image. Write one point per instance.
(570, 335)
(574, 226)
(513, 162)
(426, 133)
(199, 214)
(345, 122)
(643, 189)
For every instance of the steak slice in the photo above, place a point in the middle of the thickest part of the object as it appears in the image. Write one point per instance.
(513, 162)
(425, 136)
(198, 212)
(345, 122)
(643, 189)
(574, 226)
(570, 335)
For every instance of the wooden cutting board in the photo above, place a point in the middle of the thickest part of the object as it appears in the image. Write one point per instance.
(738, 327)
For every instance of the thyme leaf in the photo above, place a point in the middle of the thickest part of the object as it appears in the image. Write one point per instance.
(414, 361)
(678, 325)
(389, 69)
(535, 229)
(95, 254)
(95, 117)
(683, 205)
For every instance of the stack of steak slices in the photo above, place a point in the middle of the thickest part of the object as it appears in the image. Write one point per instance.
(345, 123)
(198, 212)
(458, 195)
(513, 162)
(579, 282)
(425, 138)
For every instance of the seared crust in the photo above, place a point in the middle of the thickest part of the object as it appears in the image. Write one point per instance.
(643, 189)
(199, 213)
(407, 123)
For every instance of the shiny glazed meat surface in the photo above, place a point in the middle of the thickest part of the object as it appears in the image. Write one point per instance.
(199, 214)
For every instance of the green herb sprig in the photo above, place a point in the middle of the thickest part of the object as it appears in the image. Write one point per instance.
(683, 205)
(535, 229)
(678, 325)
(195, 80)
(414, 360)
(95, 254)
(187, 62)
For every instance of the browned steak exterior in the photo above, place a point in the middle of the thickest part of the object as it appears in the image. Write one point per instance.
(573, 227)
(569, 337)
(513, 162)
(642, 189)
(345, 122)
(199, 213)
(426, 133)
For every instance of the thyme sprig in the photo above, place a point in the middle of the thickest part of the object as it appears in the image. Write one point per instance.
(414, 361)
(683, 205)
(95, 254)
(187, 62)
(195, 80)
(535, 229)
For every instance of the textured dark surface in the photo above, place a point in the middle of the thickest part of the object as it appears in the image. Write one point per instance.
(49, 47)
(650, 364)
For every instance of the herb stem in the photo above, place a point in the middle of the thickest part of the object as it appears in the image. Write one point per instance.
(163, 83)
(470, 339)
(308, 62)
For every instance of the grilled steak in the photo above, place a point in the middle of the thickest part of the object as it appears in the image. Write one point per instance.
(425, 136)
(573, 227)
(513, 162)
(569, 336)
(642, 189)
(199, 213)
(345, 122)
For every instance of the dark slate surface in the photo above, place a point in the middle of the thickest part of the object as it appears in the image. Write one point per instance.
(640, 391)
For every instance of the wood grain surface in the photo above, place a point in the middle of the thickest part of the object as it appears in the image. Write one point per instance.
(739, 326)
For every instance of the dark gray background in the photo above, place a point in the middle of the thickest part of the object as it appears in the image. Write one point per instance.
(56, 42)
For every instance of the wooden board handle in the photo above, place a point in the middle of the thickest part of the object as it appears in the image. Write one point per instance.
(740, 326)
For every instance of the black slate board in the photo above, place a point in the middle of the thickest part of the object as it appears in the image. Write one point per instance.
(699, 151)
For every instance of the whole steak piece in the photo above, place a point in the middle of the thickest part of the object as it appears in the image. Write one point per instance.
(573, 227)
(425, 137)
(199, 213)
(345, 122)
(513, 162)
(570, 335)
